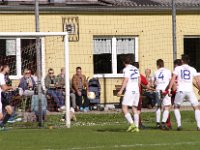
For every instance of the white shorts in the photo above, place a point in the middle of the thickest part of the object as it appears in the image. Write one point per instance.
(190, 96)
(131, 98)
(165, 101)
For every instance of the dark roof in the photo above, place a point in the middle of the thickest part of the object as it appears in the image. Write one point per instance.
(100, 5)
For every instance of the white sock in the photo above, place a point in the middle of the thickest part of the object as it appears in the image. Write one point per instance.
(158, 114)
(136, 120)
(129, 118)
(165, 116)
(197, 117)
(178, 116)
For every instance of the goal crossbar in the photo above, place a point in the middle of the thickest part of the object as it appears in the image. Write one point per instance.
(32, 34)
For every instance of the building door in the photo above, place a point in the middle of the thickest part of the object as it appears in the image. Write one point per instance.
(192, 48)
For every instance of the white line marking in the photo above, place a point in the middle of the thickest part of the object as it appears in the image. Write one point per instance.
(129, 146)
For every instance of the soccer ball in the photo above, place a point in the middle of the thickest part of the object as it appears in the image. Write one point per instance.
(91, 95)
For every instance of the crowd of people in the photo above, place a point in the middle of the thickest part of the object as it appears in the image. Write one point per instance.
(54, 88)
(164, 89)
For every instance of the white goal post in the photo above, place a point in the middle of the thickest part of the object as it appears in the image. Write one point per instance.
(66, 49)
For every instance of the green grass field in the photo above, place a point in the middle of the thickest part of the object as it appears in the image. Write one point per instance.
(103, 132)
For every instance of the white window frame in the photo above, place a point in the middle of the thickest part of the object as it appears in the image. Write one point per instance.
(114, 57)
(18, 57)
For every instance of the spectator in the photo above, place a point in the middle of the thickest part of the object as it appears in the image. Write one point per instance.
(151, 95)
(27, 83)
(80, 86)
(149, 77)
(61, 84)
(51, 86)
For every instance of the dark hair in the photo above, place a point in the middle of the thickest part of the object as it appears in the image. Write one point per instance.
(126, 60)
(185, 58)
(136, 64)
(78, 68)
(160, 63)
(3, 67)
(177, 62)
(50, 69)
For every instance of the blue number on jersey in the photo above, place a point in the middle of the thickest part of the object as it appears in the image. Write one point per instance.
(185, 74)
(161, 76)
(133, 73)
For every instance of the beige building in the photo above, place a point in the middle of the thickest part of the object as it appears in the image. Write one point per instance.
(101, 33)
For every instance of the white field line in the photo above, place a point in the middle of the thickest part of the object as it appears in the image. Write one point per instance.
(130, 146)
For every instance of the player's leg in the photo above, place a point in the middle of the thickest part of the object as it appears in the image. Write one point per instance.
(127, 101)
(139, 108)
(9, 111)
(166, 106)
(158, 109)
(136, 97)
(195, 104)
(177, 103)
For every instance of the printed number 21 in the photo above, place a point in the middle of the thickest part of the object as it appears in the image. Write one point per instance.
(185, 74)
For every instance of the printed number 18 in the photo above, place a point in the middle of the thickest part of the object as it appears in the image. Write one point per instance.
(185, 74)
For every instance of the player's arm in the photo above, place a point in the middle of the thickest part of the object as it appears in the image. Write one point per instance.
(197, 83)
(172, 82)
(124, 83)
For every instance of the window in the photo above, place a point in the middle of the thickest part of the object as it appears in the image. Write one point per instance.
(8, 54)
(109, 52)
(192, 48)
(19, 54)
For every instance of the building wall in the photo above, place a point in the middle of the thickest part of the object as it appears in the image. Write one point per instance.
(154, 32)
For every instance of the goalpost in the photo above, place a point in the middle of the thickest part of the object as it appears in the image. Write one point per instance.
(66, 60)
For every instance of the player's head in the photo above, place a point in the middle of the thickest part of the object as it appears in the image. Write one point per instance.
(136, 64)
(185, 59)
(177, 62)
(78, 70)
(5, 69)
(126, 60)
(160, 63)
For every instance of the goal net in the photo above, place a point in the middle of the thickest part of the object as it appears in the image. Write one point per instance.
(18, 50)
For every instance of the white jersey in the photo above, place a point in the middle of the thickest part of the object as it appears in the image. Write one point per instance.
(132, 73)
(162, 78)
(2, 82)
(185, 74)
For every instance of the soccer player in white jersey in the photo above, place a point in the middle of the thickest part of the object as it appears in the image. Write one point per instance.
(131, 83)
(162, 78)
(185, 75)
(6, 103)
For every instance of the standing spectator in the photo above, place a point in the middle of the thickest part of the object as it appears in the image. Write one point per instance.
(51, 86)
(27, 83)
(61, 84)
(80, 86)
